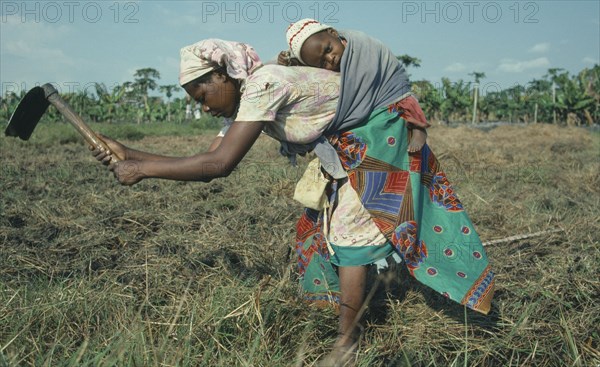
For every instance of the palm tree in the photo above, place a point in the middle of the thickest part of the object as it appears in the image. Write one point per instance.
(168, 91)
(537, 94)
(478, 76)
(144, 81)
(515, 98)
(409, 61)
(555, 78)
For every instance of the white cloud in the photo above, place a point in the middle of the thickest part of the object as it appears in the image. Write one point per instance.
(32, 52)
(540, 48)
(36, 52)
(34, 41)
(515, 66)
(589, 60)
(457, 67)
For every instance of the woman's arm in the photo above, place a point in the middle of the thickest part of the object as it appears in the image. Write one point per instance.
(215, 144)
(120, 150)
(138, 155)
(200, 167)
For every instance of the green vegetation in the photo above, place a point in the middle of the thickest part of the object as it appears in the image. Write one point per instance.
(126, 103)
(192, 274)
(558, 97)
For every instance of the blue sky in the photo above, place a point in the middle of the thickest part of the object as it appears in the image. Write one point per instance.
(77, 43)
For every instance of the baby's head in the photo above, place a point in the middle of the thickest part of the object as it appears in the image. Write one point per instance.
(315, 44)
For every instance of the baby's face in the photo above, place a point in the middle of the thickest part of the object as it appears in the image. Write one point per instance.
(323, 50)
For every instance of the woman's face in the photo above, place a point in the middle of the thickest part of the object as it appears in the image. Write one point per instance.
(220, 96)
(323, 50)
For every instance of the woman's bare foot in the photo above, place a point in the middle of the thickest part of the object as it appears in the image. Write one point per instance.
(417, 139)
(343, 353)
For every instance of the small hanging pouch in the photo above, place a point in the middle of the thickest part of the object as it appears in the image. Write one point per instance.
(310, 190)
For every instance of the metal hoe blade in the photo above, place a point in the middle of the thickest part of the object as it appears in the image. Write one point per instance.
(33, 105)
(28, 113)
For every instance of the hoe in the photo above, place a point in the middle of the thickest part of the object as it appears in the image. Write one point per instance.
(33, 106)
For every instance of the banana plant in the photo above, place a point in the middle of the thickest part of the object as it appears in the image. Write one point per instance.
(538, 99)
(109, 101)
(8, 103)
(590, 81)
(430, 98)
(573, 100)
(455, 105)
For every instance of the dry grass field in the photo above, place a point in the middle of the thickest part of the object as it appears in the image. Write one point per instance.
(203, 274)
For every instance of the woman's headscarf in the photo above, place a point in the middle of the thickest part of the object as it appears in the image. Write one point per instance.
(239, 59)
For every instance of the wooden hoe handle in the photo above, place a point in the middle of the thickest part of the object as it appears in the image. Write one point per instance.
(88, 134)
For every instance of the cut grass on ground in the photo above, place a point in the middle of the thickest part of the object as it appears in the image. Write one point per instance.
(193, 274)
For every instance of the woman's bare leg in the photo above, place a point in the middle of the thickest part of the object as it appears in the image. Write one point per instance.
(352, 287)
(417, 139)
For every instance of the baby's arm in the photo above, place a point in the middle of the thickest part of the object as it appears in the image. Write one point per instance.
(285, 59)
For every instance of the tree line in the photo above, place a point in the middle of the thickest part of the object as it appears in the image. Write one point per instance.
(558, 97)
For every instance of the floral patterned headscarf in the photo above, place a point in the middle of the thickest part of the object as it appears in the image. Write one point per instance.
(239, 59)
